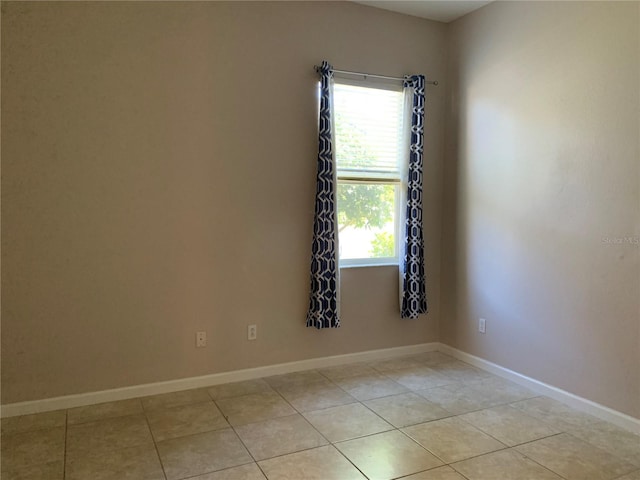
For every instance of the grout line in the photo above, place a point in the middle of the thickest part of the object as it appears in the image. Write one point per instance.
(349, 460)
(537, 439)
(294, 452)
(197, 475)
(255, 461)
(422, 446)
(301, 414)
(359, 437)
(155, 445)
(108, 417)
(459, 473)
(478, 456)
(535, 461)
(261, 470)
(464, 459)
(451, 466)
(243, 444)
(64, 456)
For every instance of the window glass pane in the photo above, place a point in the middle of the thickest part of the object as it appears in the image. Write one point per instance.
(368, 129)
(367, 220)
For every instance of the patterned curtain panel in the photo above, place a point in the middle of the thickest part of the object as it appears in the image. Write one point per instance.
(324, 301)
(413, 299)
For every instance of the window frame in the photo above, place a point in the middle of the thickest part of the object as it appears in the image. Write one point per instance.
(355, 176)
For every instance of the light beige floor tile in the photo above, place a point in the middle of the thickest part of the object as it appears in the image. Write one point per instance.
(440, 473)
(202, 453)
(306, 398)
(347, 422)
(419, 378)
(383, 366)
(27, 449)
(504, 465)
(509, 425)
(452, 439)
(239, 389)
(554, 412)
(46, 471)
(461, 372)
(457, 398)
(367, 387)
(500, 390)
(345, 371)
(109, 434)
(254, 408)
(36, 421)
(250, 471)
(306, 377)
(433, 358)
(574, 459)
(185, 420)
(387, 455)
(323, 463)
(113, 440)
(91, 413)
(279, 436)
(406, 409)
(175, 399)
(612, 439)
(134, 463)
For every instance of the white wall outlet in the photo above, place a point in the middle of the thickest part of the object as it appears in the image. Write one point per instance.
(252, 332)
(482, 325)
(201, 339)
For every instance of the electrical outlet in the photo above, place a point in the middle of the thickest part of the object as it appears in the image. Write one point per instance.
(201, 339)
(482, 325)
(252, 332)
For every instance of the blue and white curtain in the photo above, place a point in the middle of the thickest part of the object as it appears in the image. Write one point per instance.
(324, 301)
(413, 299)
(324, 298)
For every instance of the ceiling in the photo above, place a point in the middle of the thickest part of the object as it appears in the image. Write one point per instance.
(443, 10)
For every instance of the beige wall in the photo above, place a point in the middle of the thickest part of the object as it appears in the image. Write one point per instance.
(158, 175)
(542, 165)
(158, 179)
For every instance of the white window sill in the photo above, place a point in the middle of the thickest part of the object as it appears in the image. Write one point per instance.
(358, 265)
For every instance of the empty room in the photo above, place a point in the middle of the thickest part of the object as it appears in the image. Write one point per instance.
(320, 240)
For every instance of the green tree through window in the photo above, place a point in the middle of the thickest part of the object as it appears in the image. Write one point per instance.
(363, 205)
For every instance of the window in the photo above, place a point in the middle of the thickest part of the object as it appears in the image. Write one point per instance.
(371, 166)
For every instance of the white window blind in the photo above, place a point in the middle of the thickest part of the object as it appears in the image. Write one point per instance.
(369, 131)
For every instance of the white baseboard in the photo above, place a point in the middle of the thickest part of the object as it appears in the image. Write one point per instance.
(70, 401)
(605, 413)
(90, 398)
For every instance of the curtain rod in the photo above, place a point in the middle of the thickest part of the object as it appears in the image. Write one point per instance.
(374, 75)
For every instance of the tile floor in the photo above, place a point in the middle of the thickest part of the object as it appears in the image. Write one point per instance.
(419, 417)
